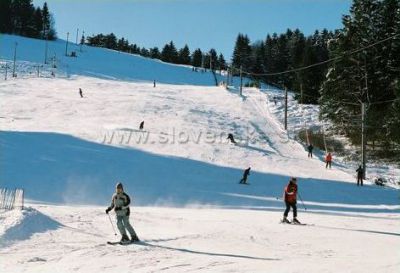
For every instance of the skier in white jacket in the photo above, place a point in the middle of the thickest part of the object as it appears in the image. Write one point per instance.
(120, 203)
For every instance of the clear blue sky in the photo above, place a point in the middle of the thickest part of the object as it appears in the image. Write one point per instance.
(199, 23)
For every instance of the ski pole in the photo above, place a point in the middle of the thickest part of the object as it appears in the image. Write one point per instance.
(302, 201)
(109, 217)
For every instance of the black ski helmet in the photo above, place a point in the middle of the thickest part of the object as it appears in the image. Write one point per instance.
(119, 186)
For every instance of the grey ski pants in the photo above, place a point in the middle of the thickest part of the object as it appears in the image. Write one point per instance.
(123, 225)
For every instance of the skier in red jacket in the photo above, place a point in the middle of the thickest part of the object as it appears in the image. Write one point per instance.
(328, 160)
(290, 198)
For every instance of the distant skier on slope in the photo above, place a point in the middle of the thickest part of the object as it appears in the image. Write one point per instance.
(245, 175)
(141, 126)
(360, 174)
(310, 149)
(328, 160)
(120, 203)
(80, 92)
(230, 137)
(290, 197)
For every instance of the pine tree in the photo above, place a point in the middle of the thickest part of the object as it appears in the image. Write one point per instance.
(22, 18)
(169, 53)
(242, 53)
(48, 23)
(144, 52)
(46, 17)
(122, 44)
(173, 52)
(297, 49)
(184, 55)
(38, 23)
(82, 42)
(391, 14)
(166, 53)
(23, 12)
(155, 53)
(221, 62)
(258, 58)
(368, 76)
(268, 56)
(6, 17)
(197, 58)
(110, 41)
(212, 61)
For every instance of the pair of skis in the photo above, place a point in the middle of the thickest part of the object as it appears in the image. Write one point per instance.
(123, 243)
(293, 223)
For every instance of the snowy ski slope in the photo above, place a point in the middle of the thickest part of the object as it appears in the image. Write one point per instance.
(182, 173)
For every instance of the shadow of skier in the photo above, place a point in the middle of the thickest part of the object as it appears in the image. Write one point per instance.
(144, 243)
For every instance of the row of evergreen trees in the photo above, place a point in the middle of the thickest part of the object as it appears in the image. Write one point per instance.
(169, 53)
(22, 18)
(285, 52)
(371, 75)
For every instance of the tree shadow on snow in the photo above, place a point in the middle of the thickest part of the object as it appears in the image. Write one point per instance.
(59, 168)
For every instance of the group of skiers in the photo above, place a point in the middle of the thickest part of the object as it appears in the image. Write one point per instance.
(120, 202)
(328, 157)
(328, 161)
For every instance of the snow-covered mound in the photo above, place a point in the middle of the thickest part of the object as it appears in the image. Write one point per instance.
(18, 225)
(97, 62)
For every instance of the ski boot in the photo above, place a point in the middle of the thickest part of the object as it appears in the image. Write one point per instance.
(295, 221)
(135, 239)
(124, 239)
(285, 220)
